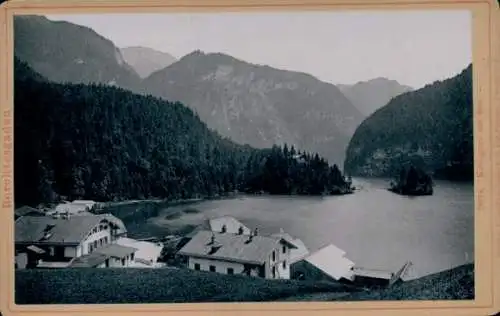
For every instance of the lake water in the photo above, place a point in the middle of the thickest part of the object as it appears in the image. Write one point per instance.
(378, 229)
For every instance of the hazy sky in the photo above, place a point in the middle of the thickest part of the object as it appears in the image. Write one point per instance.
(412, 47)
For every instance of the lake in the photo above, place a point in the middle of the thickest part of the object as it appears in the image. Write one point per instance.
(378, 229)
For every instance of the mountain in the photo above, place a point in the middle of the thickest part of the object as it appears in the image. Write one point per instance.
(65, 52)
(430, 128)
(105, 143)
(259, 105)
(251, 104)
(146, 60)
(369, 96)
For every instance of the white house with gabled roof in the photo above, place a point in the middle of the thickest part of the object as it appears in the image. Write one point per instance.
(229, 253)
(57, 241)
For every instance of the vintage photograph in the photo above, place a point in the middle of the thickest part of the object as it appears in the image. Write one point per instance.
(243, 157)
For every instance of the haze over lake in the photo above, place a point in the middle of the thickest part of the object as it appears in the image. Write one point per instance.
(378, 229)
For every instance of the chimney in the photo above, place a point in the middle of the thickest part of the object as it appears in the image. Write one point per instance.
(214, 245)
(250, 237)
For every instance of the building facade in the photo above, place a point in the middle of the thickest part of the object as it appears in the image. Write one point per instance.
(228, 253)
(57, 241)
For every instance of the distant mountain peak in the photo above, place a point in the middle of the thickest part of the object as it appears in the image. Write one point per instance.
(146, 60)
(370, 95)
(65, 52)
(430, 128)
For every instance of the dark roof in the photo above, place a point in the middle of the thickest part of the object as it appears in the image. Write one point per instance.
(116, 251)
(31, 229)
(230, 247)
(372, 273)
(88, 261)
(28, 210)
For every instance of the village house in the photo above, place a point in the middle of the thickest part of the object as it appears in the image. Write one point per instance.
(228, 253)
(27, 211)
(88, 204)
(77, 207)
(109, 256)
(298, 253)
(45, 241)
(228, 224)
(147, 252)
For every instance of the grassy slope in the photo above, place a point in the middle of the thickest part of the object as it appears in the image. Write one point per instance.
(74, 286)
(457, 283)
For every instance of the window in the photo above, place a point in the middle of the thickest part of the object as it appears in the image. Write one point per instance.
(274, 255)
(284, 264)
(107, 263)
(132, 257)
(212, 268)
(95, 244)
(274, 272)
(106, 239)
(52, 251)
(284, 249)
(197, 266)
(91, 248)
(123, 262)
(230, 271)
(59, 251)
(100, 242)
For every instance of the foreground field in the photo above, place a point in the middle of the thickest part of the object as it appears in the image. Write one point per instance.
(73, 286)
(108, 286)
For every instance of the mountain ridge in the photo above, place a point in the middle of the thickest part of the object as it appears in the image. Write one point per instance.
(146, 60)
(430, 128)
(91, 59)
(370, 95)
(241, 99)
(248, 103)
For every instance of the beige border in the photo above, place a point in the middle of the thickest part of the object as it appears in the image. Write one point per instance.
(486, 44)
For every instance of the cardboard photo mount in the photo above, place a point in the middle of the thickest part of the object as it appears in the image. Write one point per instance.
(486, 83)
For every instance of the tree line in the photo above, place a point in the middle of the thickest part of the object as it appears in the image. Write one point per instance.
(79, 141)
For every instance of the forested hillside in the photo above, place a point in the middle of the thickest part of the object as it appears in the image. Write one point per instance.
(260, 105)
(430, 128)
(66, 52)
(105, 143)
(145, 60)
(248, 103)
